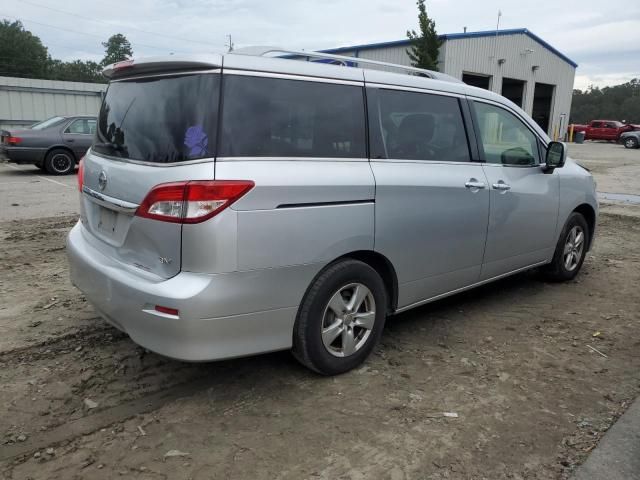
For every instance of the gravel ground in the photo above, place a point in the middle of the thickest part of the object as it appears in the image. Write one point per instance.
(514, 365)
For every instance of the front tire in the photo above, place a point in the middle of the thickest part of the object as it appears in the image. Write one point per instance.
(571, 250)
(341, 318)
(630, 142)
(59, 162)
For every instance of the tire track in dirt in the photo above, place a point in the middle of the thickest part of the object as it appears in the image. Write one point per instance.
(102, 419)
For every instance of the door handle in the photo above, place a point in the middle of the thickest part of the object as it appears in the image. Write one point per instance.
(501, 186)
(473, 183)
(69, 140)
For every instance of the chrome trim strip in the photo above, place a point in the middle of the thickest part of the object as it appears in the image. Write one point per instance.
(151, 164)
(110, 202)
(468, 287)
(288, 76)
(444, 93)
(290, 159)
(427, 162)
(336, 203)
(167, 74)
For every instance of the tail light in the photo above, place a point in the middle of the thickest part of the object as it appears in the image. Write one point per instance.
(192, 201)
(80, 174)
(11, 140)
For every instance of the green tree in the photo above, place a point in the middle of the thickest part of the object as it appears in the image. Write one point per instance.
(117, 49)
(618, 102)
(21, 53)
(75, 71)
(425, 46)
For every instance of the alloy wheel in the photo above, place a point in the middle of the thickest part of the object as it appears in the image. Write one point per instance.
(573, 248)
(61, 162)
(348, 320)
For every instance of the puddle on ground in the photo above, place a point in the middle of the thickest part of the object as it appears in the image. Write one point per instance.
(620, 197)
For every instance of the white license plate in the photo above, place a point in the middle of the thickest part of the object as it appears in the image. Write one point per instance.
(107, 221)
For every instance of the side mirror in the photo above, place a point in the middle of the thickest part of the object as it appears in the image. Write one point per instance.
(556, 155)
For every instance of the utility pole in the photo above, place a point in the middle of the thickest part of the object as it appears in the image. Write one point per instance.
(230, 45)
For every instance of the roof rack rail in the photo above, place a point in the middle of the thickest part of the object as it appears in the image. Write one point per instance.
(261, 51)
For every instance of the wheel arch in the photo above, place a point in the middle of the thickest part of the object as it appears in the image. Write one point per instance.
(60, 147)
(385, 269)
(589, 214)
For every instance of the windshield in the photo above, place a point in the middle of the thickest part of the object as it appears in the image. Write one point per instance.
(51, 122)
(160, 119)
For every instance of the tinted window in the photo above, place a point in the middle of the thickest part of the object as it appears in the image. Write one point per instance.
(83, 126)
(417, 126)
(267, 117)
(160, 119)
(505, 138)
(596, 124)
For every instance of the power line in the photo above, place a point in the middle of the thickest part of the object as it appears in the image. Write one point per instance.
(116, 24)
(88, 34)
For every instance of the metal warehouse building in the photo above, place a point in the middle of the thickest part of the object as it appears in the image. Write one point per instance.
(24, 101)
(514, 63)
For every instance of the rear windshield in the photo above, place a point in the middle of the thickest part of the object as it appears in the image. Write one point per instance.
(50, 122)
(160, 119)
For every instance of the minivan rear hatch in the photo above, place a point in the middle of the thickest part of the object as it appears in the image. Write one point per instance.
(152, 129)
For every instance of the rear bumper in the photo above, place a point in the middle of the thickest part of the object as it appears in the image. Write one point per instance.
(220, 315)
(22, 154)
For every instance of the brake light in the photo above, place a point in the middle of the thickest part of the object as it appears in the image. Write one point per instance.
(192, 201)
(11, 140)
(80, 174)
(123, 64)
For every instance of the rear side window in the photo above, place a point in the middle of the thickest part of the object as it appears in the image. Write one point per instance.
(82, 126)
(269, 117)
(416, 126)
(160, 119)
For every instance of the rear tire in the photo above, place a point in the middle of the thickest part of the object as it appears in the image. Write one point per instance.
(630, 142)
(59, 162)
(341, 318)
(571, 250)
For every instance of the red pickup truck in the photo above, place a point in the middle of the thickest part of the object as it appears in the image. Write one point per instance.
(604, 129)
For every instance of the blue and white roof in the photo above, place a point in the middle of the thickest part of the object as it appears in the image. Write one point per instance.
(457, 36)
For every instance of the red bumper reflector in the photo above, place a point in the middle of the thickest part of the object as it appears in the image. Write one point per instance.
(167, 310)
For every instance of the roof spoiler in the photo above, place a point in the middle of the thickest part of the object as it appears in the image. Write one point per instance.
(168, 63)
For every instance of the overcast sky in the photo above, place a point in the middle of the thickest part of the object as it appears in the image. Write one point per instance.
(602, 36)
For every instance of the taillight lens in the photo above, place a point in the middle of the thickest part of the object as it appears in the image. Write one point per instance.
(14, 140)
(80, 173)
(191, 202)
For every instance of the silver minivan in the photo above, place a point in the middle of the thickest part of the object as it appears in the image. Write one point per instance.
(239, 204)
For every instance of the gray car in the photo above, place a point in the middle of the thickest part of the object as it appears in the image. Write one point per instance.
(238, 204)
(630, 139)
(55, 145)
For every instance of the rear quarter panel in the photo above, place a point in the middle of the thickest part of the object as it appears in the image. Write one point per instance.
(299, 212)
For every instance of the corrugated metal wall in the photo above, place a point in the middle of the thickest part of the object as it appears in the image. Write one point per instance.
(521, 53)
(24, 101)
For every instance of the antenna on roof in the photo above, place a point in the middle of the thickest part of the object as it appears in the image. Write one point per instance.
(495, 43)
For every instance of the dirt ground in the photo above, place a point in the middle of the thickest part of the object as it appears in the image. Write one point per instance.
(510, 363)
